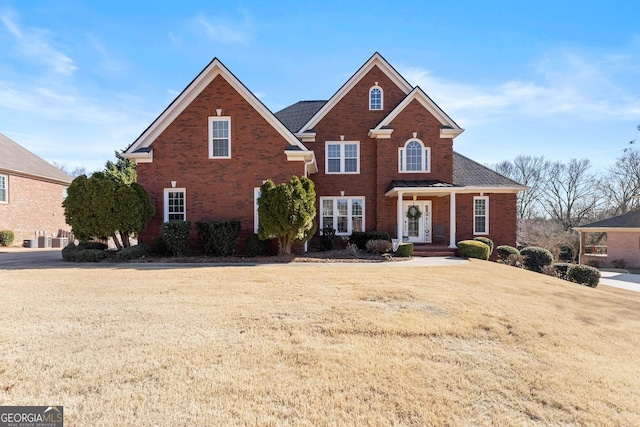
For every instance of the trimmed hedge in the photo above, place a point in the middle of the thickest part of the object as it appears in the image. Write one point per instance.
(473, 249)
(487, 241)
(504, 251)
(6, 237)
(218, 238)
(159, 246)
(379, 246)
(255, 246)
(561, 269)
(176, 236)
(360, 238)
(90, 255)
(584, 275)
(84, 252)
(131, 252)
(536, 258)
(405, 249)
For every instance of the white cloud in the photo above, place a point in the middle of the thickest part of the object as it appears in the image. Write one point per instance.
(222, 32)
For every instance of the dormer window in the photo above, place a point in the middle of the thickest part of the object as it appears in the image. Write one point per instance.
(375, 98)
(414, 157)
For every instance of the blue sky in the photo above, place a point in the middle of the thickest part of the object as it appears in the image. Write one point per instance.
(80, 79)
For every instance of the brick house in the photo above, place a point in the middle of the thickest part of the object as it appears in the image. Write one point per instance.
(31, 193)
(379, 151)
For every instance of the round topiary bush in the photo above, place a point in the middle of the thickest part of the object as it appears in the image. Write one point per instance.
(487, 241)
(536, 258)
(473, 249)
(504, 251)
(584, 275)
(6, 237)
(405, 249)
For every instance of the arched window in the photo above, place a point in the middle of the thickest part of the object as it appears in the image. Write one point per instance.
(414, 157)
(375, 98)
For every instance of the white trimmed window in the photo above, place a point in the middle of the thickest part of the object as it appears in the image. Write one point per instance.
(481, 215)
(342, 157)
(375, 98)
(175, 206)
(220, 137)
(344, 214)
(414, 157)
(4, 189)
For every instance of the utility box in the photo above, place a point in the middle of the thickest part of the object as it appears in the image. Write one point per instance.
(59, 242)
(30, 243)
(44, 241)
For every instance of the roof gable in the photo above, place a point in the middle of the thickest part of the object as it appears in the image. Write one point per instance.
(15, 158)
(182, 101)
(375, 60)
(450, 128)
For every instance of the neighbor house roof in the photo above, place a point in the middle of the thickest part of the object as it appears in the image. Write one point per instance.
(18, 160)
(296, 115)
(629, 220)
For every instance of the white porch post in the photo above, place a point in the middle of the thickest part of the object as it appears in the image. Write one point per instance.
(399, 216)
(452, 220)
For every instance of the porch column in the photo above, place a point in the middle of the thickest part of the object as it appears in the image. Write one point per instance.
(399, 216)
(452, 220)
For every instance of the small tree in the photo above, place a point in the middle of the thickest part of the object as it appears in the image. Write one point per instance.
(287, 212)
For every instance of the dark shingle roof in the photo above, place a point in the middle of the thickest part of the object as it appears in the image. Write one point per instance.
(15, 158)
(468, 173)
(628, 220)
(422, 183)
(297, 115)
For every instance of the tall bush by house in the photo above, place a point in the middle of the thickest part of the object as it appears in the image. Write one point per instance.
(218, 238)
(176, 236)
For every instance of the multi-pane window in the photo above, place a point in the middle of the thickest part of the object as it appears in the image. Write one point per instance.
(175, 204)
(345, 215)
(375, 98)
(481, 215)
(343, 157)
(414, 157)
(3, 189)
(219, 137)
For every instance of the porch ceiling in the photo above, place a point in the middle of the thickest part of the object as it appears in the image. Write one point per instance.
(420, 187)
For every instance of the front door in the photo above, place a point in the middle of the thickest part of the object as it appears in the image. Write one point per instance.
(417, 221)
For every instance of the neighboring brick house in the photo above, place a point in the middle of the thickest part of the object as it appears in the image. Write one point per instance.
(622, 242)
(379, 151)
(31, 193)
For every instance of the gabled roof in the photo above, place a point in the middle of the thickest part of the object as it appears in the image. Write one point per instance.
(616, 223)
(469, 173)
(296, 115)
(18, 160)
(375, 60)
(202, 80)
(450, 128)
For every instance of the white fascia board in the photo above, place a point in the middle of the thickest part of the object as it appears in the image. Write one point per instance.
(450, 133)
(443, 191)
(376, 59)
(474, 189)
(380, 133)
(308, 157)
(307, 136)
(146, 157)
(608, 229)
(187, 96)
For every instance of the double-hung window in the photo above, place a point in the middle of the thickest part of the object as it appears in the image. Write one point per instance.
(4, 184)
(344, 214)
(220, 137)
(342, 157)
(481, 215)
(375, 98)
(414, 157)
(175, 207)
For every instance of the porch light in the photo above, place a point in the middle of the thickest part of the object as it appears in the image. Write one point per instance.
(173, 184)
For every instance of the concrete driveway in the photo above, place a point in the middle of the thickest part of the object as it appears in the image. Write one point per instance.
(27, 258)
(620, 279)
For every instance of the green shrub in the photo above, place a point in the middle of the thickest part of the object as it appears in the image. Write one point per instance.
(255, 246)
(6, 237)
(584, 275)
(536, 258)
(69, 252)
(360, 238)
(619, 263)
(131, 252)
(379, 246)
(92, 245)
(158, 246)
(90, 255)
(218, 238)
(405, 249)
(561, 269)
(473, 249)
(176, 236)
(504, 251)
(487, 241)
(327, 238)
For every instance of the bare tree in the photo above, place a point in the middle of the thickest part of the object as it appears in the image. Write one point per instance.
(528, 171)
(76, 172)
(622, 182)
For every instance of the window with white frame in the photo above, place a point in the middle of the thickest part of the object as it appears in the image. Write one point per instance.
(375, 98)
(220, 137)
(342, 157)
(344, 214)
(481, 215)
(175, 207)
(4, 183)
(414, 157)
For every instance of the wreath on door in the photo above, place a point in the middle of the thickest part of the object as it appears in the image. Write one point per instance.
(414, 212)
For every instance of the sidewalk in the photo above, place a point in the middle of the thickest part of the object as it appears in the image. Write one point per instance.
(620, 279)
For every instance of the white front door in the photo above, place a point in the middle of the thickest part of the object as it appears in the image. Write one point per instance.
(417, 221)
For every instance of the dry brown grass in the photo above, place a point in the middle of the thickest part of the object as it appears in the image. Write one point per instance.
(482, 344)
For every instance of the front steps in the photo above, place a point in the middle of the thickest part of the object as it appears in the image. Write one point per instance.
(428, 250)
